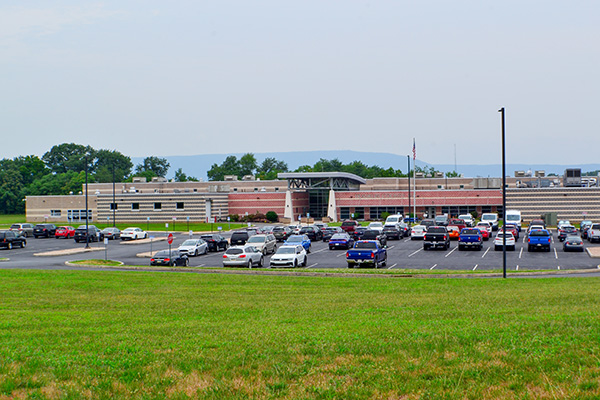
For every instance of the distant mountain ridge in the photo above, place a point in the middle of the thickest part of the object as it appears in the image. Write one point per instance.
(198, 165)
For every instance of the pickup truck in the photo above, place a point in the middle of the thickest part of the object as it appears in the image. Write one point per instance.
(436, 236)
(539, 239)
(368, 253)
(470, 237)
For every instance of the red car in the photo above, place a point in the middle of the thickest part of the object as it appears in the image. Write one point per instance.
(349, 226)
(512, 229)
(485, 235)
(67, 232)
(460, 223)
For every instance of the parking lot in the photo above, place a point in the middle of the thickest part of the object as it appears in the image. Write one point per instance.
(402, 254)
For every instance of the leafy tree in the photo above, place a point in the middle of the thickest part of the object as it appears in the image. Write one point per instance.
(11, 188)
(106, 160)
(58, 184)
(159, 166)
(452, 174)
(180, 176)
(231, 166)
(69, 157)
(31, 168)
(247, 164)
(270, 167)
(304, 168)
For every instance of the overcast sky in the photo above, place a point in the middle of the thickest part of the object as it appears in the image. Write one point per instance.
(194, 77)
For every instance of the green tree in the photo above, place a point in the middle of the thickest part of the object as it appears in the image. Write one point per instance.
(270, 167)
(231, 166)
(452, 174)
(58, 184)
(247, 164)
(31, 168)
(180, 176)
(69, 157)
(106, 160)
(11, 188)
(158, 166)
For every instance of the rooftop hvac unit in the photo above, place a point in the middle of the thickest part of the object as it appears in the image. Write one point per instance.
(519, 174)
(139, 179)
(439, 174)
(159, 179)
(248, 178)
(540, 173)
(230, 178)
(419, 175)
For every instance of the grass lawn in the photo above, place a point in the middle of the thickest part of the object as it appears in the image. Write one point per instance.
(130, 335)
(98, 262)
(6, 220)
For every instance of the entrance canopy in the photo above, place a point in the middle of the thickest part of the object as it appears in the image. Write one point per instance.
(322, 180)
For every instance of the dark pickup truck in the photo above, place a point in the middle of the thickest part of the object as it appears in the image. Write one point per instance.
(470, 238)
(436, 236)
(368, 253)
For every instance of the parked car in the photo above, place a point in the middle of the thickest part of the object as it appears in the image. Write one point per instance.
(485, 232)
(371, 234)
(93, 232)
(593, 234)
(264, 243)
(538, 222)
(266, 229)
(23, 229)
(239, 238)
(329, 231)
(112, 233)
(44, 230)
(252, 231)
(193, 247)
(393, 220)
(584, 227)
(299, 239)
(459, 223)
(453, 232)
(376, 226)
(487, 226)
(563, 222)
(350, 225)
(534, 227)
(510, 241)
(289, 256)
(392, 232)
(281, 233)
(427, 223)
(216, 242)
(243, 256)
(313, 232)
(470, 238)
(566, 230)
(539, 239)
(468, 218)
(436, 236)
(514, 229)
(358, 232)
(405, 229)
(341, 241)
(11, 239)
(170, 258)
(67, 232)
(442, 220)
(417, 232)
(573, 243)
(133, 233)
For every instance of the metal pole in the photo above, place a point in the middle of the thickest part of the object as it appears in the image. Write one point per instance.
(503, 197)
(87, 232)
(408, 157)
(114, 202)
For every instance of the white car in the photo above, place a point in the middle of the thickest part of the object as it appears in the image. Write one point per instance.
(243, 256)
(133, 234)
(193, 247)
(563, 222)
(468, 218)
(532, 227)
(264, 243)
(418, 232)
(376, 226)
(492, 218)
(510, 241)
(486, 225)
(289, 256)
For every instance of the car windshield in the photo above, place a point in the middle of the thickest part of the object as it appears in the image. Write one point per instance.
(393, 219)
(375, 224)
(365, 245)
(339, 236)
(348, 223)
(440, 218)
(471, 232)
(508, 235)
(488, 217)
(234, 251)
(257, 239)
(539, 233)
(15, 226)
(294, 239)
(189, 242)
(286, 250)
(512, 217)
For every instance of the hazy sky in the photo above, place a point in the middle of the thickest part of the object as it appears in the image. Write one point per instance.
(193, 77)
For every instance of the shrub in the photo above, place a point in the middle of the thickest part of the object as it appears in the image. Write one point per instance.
(384, 215)
(272, 216)
(234, 217)
(474, 214)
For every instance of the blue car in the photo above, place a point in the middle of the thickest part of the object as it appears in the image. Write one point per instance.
(341, 241)
(299, 239)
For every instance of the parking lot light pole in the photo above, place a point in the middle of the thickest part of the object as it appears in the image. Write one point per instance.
(114, 202)
(408, 174)
(503, 197)
(87, 232)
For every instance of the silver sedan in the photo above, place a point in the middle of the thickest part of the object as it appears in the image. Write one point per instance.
(243, 256)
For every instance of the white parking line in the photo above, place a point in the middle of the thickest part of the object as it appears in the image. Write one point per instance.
(412, 254)
(342, 254)
(559, 267)
(434, 265)
(475, 267)
(313, 265)
(486, 251)
(318, 251)
(521, 252)
(517, 267)
(451, 251)
(555, 254)
(391, 247)
(392, 266)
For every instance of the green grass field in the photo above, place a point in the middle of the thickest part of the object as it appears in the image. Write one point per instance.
(140, 335)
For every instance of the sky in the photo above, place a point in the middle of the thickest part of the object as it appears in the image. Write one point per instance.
(209, 77)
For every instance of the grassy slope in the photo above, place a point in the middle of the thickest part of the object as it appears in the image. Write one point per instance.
(145, 335)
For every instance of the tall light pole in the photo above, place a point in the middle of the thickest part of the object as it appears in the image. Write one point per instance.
(87, 232)
(114, 207)
(503, 197)
(408, 157)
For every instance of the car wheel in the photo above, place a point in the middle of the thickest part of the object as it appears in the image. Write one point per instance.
(10, 246)
(205, 251)
(187, 262)
(384, 262)
(196, 253)
(145, 235)
(308, 250)
(23, 244)
(349, 265)
(264, 251)
(261, 262)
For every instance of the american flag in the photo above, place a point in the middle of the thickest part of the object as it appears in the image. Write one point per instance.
(414, 150)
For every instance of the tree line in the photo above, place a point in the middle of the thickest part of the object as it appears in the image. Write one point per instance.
(61, 170)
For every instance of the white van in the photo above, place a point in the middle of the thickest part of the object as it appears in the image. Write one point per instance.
(492, 218)
(393, 220)
(514, 217)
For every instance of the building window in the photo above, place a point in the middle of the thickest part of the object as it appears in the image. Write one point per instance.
(375, 212)
(235, 189)
(486, 209)
(345, 212)
(195, 190)
(135, 206)
(55, 213)
(359, 213)
(179, 205)
(113, 206)
(157, 206)
(78, 215)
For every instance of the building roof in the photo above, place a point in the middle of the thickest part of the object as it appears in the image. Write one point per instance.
(322, 175)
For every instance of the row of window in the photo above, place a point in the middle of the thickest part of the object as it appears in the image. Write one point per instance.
(375, 212)
(157, 206)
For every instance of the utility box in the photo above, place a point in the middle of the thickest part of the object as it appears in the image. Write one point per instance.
(551, 218)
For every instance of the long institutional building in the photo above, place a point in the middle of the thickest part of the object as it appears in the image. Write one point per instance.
(336, 195)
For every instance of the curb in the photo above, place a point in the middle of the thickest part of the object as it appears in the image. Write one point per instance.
(4, 259)
(68, 252)
(143, 241)
(71, 264)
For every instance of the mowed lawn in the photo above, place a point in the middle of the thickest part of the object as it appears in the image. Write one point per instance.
(140, 335)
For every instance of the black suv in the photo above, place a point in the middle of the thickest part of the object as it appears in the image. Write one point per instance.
(215, 242)
(313, 232)
(44, 230)
(392, 232)
(94, 233)
(281, 233)
(239, 238)
(12, 239)
(372, 234)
